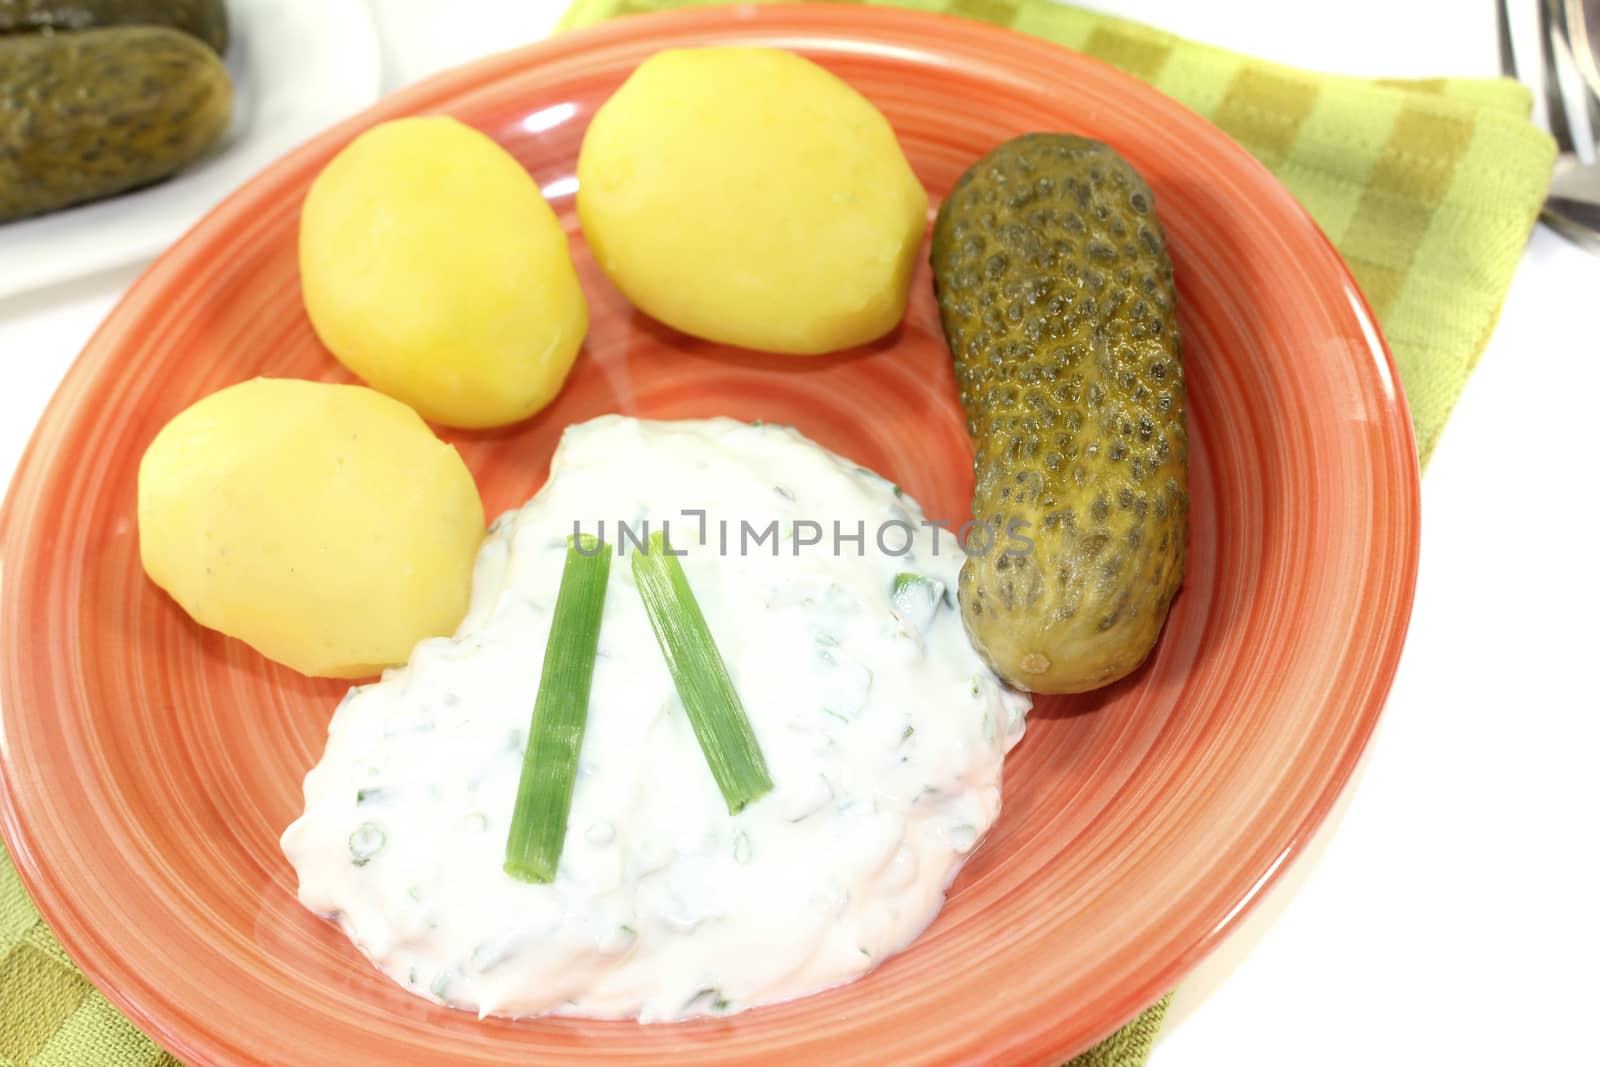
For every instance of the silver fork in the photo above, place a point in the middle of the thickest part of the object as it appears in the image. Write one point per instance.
(1567, 75)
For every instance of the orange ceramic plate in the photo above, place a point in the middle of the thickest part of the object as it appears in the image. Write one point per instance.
(149, 766)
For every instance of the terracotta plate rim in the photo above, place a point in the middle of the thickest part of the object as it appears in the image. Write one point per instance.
(99, 962)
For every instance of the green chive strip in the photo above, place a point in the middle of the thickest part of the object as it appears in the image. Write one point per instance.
(917, 598)
(697, 669)
(920, 584)
(550, 762)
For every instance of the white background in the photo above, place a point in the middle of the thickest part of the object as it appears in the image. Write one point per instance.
(1449, 912)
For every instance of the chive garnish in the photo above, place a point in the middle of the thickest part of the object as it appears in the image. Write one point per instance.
(906, 583)
(550, 761)
(701, 677)
(917, 597)
(366, 841)
(711, 998)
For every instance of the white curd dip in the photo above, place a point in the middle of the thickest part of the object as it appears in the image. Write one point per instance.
(882, 729)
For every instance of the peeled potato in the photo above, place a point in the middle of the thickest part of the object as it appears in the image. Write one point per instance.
(324, 525)
(432, 267)
(747, 196)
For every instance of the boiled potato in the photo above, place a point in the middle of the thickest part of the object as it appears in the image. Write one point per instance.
(433, 268)
(324, 525)
(747, 196)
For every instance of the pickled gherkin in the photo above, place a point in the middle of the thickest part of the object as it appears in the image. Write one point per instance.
(1056, 296)
(205, 19)
(96, 112)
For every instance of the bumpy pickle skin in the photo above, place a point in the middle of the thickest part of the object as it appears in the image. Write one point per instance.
(93, 113)
(1056, 295)
(205, 19)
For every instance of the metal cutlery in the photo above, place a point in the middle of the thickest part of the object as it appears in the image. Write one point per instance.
(1567, 76)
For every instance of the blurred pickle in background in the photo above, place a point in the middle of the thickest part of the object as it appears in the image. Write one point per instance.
(205, 19)
(98, 97)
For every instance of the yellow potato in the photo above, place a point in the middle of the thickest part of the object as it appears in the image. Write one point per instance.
(746, 195)
(324, 525)
(433, 268)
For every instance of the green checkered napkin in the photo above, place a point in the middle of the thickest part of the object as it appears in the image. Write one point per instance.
(50, 1016)
(1428, 188)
